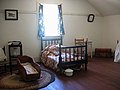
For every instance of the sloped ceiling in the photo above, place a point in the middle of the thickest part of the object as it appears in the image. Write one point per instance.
(106, 7)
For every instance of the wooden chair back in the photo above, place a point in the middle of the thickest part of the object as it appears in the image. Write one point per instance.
(79, 41)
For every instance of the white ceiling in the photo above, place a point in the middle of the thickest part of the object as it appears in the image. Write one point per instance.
(106, 7)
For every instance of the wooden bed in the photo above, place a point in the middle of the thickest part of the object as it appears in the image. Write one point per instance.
(64, 56)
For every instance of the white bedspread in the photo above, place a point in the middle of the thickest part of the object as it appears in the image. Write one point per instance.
(117, 53)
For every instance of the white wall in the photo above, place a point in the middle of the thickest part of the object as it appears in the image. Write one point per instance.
(111, 31)
(25, 28)
(75, 14)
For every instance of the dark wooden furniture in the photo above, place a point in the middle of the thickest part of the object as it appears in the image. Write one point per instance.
(15, 49)
(45, 41)
(26, 62)
(76, 56)
(103, 52)
(79, 57)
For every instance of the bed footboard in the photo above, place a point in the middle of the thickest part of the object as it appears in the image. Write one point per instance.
(72, 55)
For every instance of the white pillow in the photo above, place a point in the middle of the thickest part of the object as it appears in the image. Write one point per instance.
(2, 55)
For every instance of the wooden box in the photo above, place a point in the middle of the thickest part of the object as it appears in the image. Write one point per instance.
(103, 52)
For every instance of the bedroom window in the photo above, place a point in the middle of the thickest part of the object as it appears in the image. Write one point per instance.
(50, 20)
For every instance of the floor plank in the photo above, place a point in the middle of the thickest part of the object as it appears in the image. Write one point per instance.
(102, 74)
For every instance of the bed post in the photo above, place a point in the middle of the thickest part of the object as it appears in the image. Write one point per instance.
(60, 59)
(86, 56)
(41, 43)
(61, 40)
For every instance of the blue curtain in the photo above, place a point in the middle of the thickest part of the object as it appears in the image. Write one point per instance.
(60, 25)
(41, 28)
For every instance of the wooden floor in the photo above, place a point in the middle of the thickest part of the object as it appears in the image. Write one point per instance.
(102, 74)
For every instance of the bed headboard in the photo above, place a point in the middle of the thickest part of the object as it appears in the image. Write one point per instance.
(45, 41)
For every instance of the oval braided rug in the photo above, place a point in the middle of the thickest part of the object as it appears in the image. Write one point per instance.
(15, 82)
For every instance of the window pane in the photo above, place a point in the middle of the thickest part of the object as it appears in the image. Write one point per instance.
(50, 13)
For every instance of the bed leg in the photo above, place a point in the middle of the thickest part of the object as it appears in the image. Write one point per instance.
(85, 66)
(61, 71)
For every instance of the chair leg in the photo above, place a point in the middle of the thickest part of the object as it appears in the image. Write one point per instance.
(5, 66)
